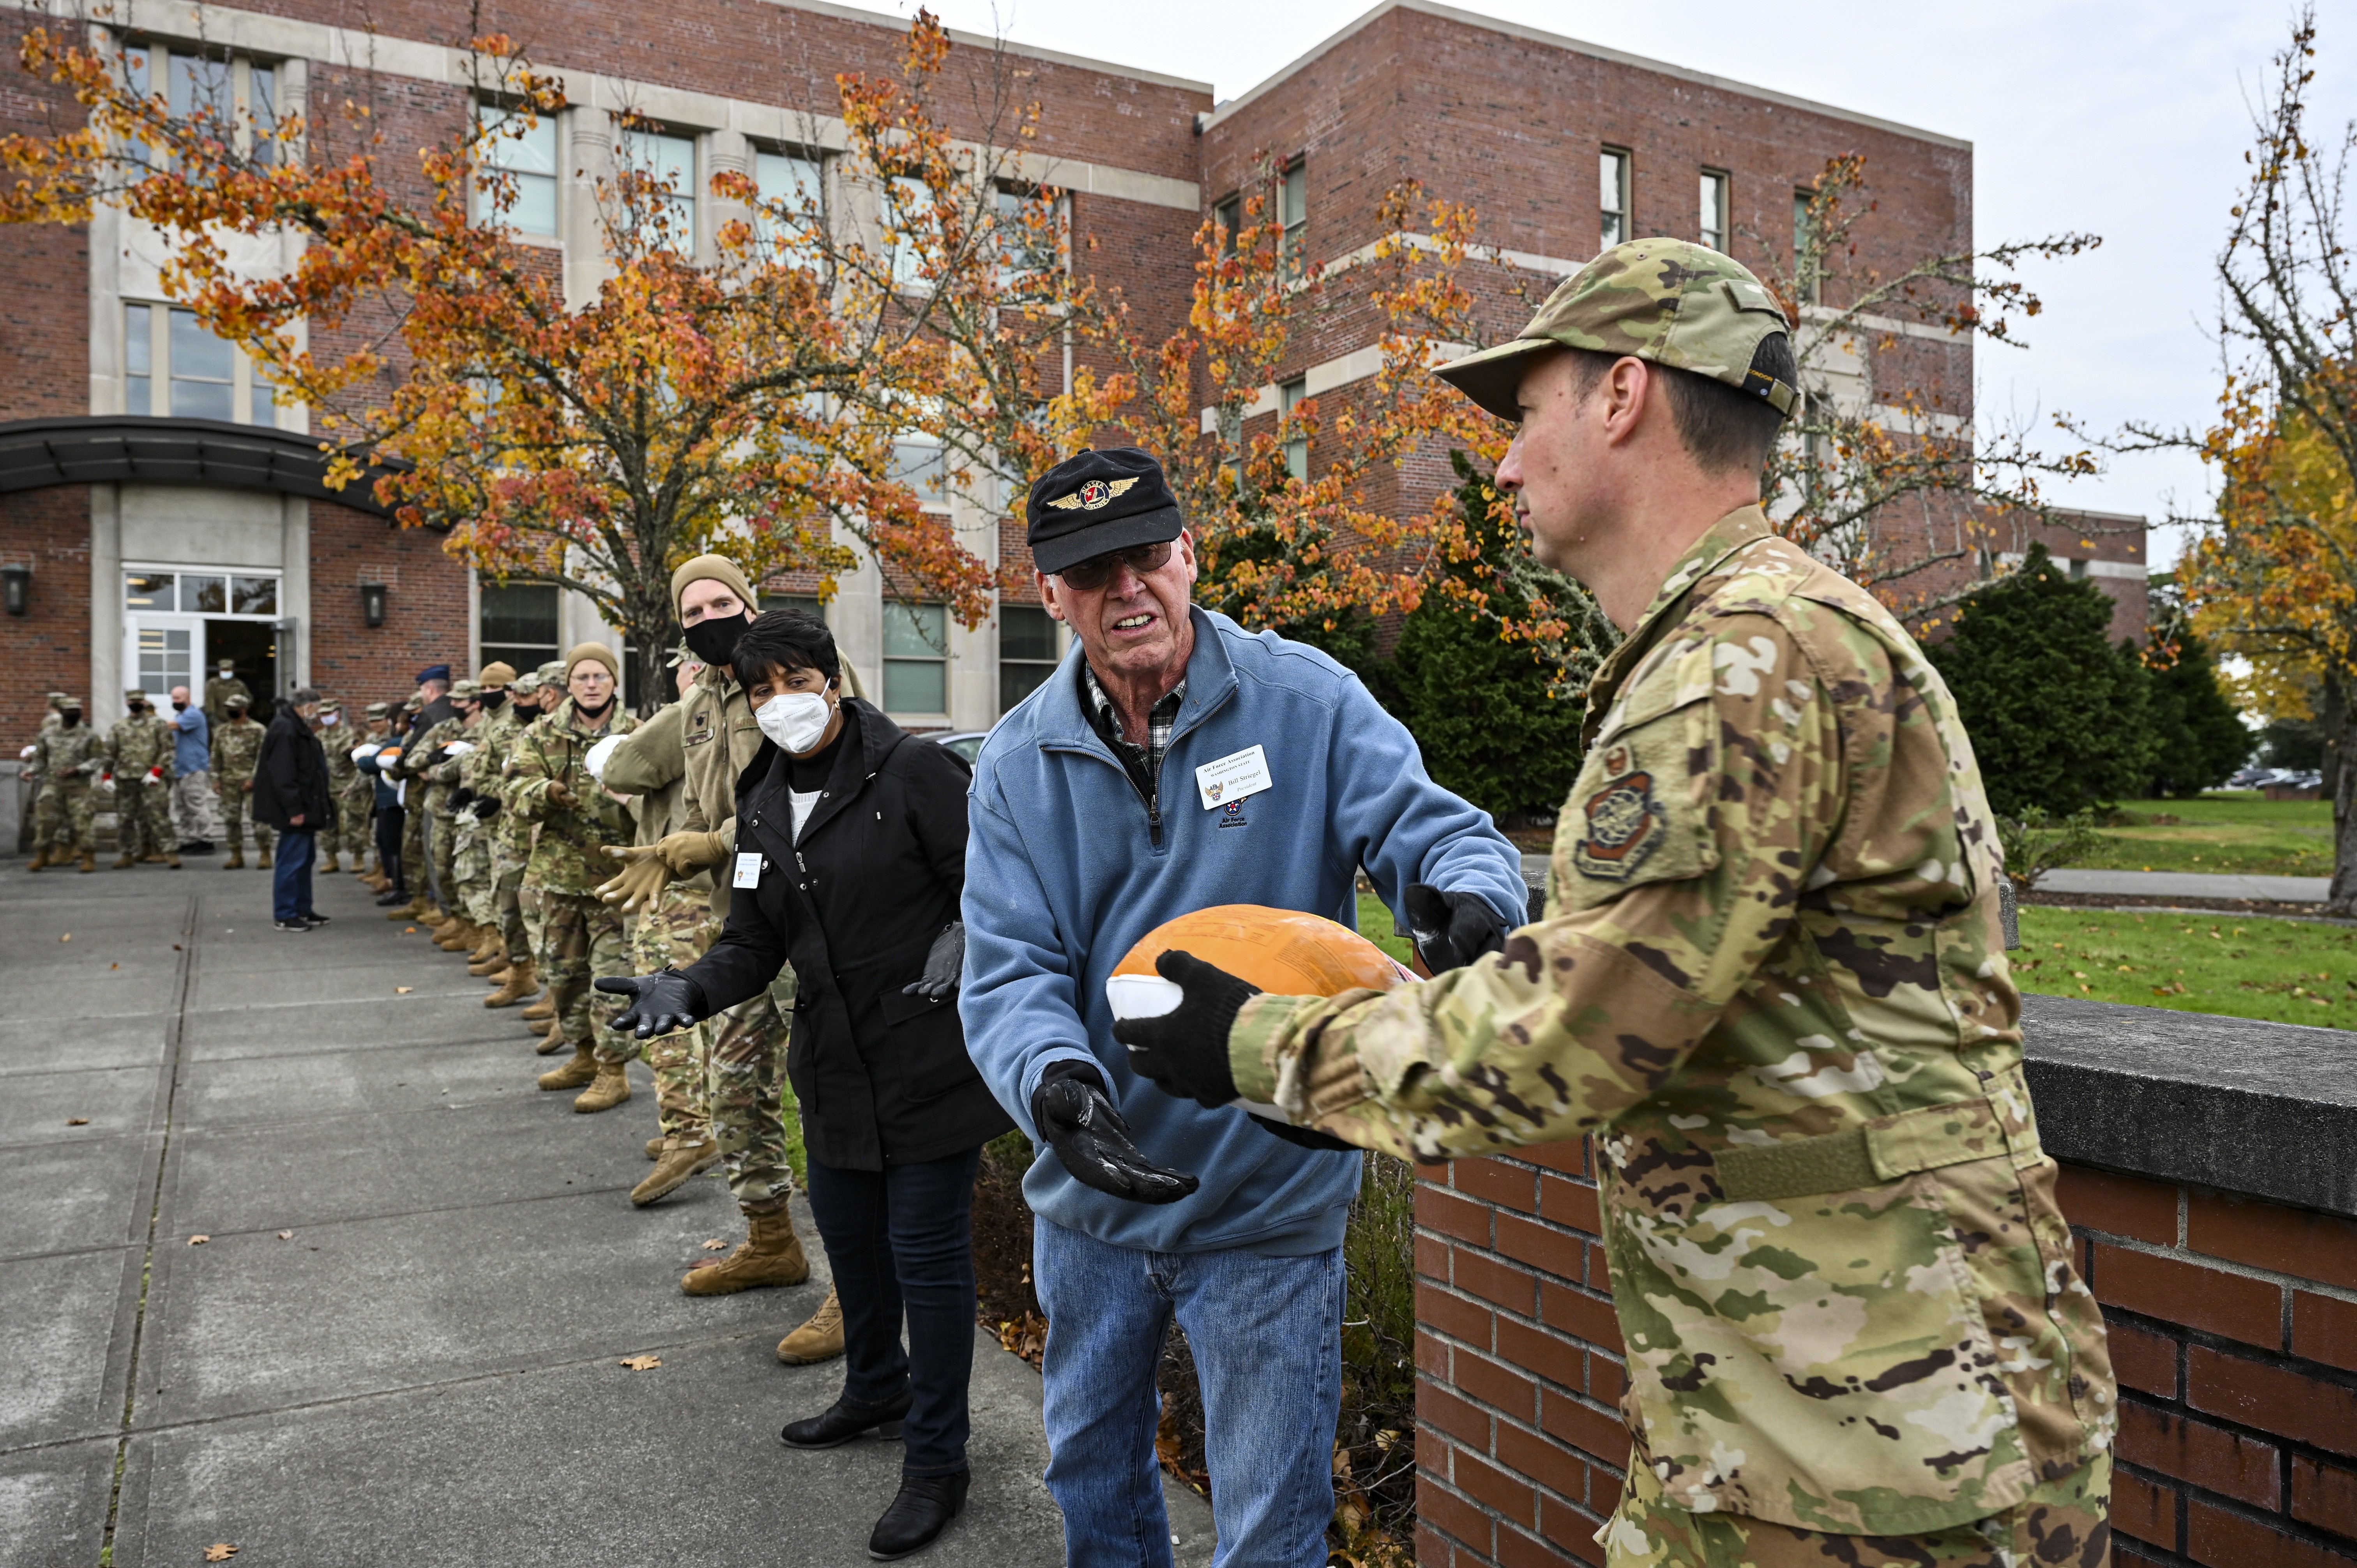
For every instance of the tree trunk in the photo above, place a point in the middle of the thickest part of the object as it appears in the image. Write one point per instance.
(2341, 788)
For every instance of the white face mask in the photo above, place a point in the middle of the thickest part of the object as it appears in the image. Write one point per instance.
(795, 720)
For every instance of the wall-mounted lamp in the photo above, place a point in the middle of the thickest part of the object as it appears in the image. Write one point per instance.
(372, 603)
(16, 589)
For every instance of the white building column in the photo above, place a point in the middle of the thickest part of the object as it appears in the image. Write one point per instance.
(105, 694)
(295, 586)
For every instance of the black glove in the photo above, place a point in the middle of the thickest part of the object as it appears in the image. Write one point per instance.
(486, 808)
(1077, 1121)
(1185, 1051)
(461, 797)
(1451, 930)
(943, 964)
(1306, 1137)
(660, 1001)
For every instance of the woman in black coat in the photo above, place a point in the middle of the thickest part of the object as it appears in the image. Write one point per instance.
(850, 859)
(291, 794)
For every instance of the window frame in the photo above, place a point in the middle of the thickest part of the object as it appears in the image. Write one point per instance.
(1808, 282)
(1290, 395)
(226, 576)
(481, 211)
(1045, 668)
(489, 648)
(688, 194)
(1716, 189)
(143, 62)
(1291, 202)
(246, 382)
(1616, 225)
(937, 656)
(804, 255)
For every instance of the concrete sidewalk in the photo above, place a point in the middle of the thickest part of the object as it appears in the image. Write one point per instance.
(426, 1372)
(2188, 885)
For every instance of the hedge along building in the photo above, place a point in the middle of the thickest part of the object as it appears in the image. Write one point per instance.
(139, 549)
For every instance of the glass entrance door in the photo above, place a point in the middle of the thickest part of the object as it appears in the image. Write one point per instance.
(161, 651)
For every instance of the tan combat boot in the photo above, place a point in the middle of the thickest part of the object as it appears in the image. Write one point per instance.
(540, 1011)
(771, 1254)
(434, 917)
(609, 1089)
(153, 857)
(126, 862)
(261, 858)
(492, 950)
(819, 1339)
(404, 912)
(553, 1040)
(236, 859)
(574, 1074)
(493, 968)
(654, 1147)
(454, 935)
(88, 862)
(520, 984)
(40, 861)
(331, 862)
(674, 1168)
(172, 859)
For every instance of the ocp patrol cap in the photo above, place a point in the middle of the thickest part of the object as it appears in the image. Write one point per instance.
(379, 710)
(1669, 302)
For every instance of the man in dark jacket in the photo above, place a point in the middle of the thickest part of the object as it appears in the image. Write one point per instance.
(291, 794)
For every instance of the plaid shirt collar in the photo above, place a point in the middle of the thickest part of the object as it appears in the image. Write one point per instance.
(1158, 722)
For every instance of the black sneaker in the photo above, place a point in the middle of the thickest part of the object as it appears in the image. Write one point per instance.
(313, 919)
(291, 925)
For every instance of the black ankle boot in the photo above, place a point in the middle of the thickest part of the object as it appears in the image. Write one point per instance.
(838, 1423)
(918, 1515)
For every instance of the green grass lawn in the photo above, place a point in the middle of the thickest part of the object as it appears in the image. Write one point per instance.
(2287, 971)
(2225, 831)
(1375, 925)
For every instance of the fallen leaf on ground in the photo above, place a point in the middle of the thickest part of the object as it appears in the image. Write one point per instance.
(286, 1235)
(67, 938)
(643, 1363)
(77, 1121)
(409, 931)
(715, 1244)
(114, 966)
(403, 990)
(199, 1241)
(219, 1552)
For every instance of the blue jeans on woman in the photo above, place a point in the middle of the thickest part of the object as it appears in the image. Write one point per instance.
(901, 1240)
(290, 874)
(1266, 1333)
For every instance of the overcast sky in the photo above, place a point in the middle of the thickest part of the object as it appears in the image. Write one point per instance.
(2126, 120)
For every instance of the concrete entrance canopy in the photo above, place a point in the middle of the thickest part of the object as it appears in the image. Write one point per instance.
(121, 448)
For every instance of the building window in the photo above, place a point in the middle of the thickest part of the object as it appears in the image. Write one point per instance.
(1612, 182)
(916, 657)
(1027, 652)
(232, 91)
(1293, 211)
(524, 155)
(908, 210)
(2078, 569)
(1296, 447)
(808, 605)
(1025, 251)
(171, 365)
(922, 464)
(1714, 208)
(516, 623)
(792, 187)
(1808, 268)
(158, 592)
(668, 162)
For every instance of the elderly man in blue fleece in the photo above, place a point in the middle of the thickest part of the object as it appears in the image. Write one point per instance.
(1094, 820)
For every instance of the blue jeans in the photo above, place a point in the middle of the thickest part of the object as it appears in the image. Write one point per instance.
(290, 874)
(1266, 1333)
(901, 1240)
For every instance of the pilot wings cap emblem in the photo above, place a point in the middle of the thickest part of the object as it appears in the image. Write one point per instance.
(1106, 499)
(1094, 496)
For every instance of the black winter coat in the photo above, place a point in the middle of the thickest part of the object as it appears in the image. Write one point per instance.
(291, 775)
(883, 1078)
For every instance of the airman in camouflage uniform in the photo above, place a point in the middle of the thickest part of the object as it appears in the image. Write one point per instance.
(69, 756)
(478, 806)
(579, 825)
(46, 817)
(237, 747)
(141, 744)
(435, 773)
(413, 815)
(1772, 985)
(510, 842)
(349, 832)
(220, 689)
(530, 908)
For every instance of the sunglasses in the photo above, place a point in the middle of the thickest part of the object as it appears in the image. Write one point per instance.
(1094, 572)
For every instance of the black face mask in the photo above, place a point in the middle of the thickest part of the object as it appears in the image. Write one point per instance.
(593, 714)
(714, 639)
(70, 717)
(179, 707)
(495, 699)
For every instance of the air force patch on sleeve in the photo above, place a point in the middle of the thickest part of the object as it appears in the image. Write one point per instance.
(1623, 825)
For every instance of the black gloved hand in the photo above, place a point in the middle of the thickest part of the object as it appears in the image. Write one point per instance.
(486, 808)
(942, 965)
(1076, 1120)
(1307, 1137)
(660, 1001)
(1451, 930)
(1185, 1051)
(461, 797)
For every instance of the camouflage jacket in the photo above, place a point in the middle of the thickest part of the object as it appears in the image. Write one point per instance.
(438, 778)
(569, 855)
(345, 780)
(72, 756)
(494, 737)
(218, 692)
(237, 747)
(512, 840)
(139, 743)
(719, 736)
(1771, 982)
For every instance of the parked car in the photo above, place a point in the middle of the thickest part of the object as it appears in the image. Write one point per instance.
(966, 743)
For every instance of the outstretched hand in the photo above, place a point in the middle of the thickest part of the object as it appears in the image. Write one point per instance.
(660, 1002)
(1451, 930)
(1185, 1051)
(1077, 1121)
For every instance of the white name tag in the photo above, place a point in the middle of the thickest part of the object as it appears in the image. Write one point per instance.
(1233, 777)
(748, 871)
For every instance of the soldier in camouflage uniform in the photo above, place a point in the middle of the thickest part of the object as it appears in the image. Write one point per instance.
(45, 800)
(237, 747)
(511, 844)
(413, 816)
(434, 772)
(141, 744)
(1770, 983)
(530, 911)
(580, 825)
(223, 685)
(348, 834)
(70, 758)
(477, 803)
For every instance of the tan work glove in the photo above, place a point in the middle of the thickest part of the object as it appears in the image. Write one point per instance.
(687, 854)
(643, 877)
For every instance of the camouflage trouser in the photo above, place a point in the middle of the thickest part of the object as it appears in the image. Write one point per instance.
(62, 820)
(585, 939)
(351, 835)
(749, 1092)
(236, 807)
(470, 866)
(413, 844)
(2064, 1524)
(442, 853)
(142, 818)
(675, 932)
(507, 902)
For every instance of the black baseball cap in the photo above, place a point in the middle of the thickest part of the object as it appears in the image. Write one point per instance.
(1098, 502)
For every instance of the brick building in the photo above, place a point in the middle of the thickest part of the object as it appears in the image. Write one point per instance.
(1562, 146)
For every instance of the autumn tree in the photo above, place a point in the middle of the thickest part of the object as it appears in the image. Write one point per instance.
(750, 395)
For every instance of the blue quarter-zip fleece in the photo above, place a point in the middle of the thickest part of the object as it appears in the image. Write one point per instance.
(1064, 873)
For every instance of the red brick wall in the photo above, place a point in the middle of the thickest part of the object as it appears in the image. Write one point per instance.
(45, 308)
(425, 606)
(2234, 1327)
(47, 648)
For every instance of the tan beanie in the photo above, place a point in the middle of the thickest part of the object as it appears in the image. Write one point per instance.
(497, 673)
(717, 569)
(599, 651)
